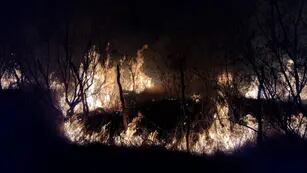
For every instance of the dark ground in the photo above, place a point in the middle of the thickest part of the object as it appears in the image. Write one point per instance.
(30, 143)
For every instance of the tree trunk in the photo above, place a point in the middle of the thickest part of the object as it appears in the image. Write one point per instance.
(183, 108)
(83, 100)
(259, 116)
(122, 100)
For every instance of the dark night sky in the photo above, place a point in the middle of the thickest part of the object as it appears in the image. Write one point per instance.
(127, 22)
(150, 16)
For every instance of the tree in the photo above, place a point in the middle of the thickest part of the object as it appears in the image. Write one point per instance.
(77, 76)
(274, 50)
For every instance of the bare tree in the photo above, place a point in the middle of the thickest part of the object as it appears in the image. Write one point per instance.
(274, 51)
(77, 77)
(283, 34)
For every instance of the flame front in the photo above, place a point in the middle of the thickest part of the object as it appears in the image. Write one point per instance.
(223, 134)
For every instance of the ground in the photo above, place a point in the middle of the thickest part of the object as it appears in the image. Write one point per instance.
(31, 142)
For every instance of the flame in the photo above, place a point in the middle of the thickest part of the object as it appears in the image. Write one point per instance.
(223, 135)
(298, 125)
(75, 131)
(9, 80)
(224, 78)
(103, 92)
(130, 137)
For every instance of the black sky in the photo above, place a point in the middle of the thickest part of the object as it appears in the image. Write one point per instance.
(129, 20)
(146, 15)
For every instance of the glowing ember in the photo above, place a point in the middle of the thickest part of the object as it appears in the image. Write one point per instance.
(196, 98)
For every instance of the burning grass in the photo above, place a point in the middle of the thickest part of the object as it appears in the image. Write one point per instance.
(103, 123)
(221, 136)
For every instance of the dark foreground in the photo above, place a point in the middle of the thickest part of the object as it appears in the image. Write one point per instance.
(29, 142)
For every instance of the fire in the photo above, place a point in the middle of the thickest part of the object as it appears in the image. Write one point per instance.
(196, 97)
(223, 134)
(130, 137)
(226, 136)
(9, 80)
(252, 90)
(225, 78)
(103, 92)
(76, 132)
(298, 125)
